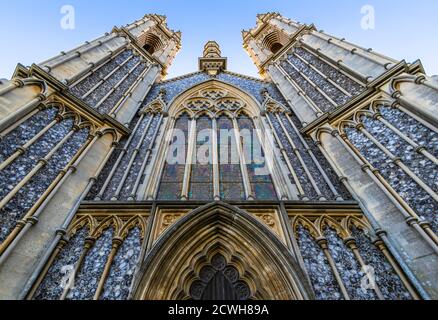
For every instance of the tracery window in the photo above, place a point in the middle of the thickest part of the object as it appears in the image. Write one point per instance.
(259, 178)
(230, 175)
(219, 281)
(224, 158)
(201, 180)
(173, 175)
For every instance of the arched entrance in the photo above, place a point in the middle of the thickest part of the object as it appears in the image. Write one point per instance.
(220, 252)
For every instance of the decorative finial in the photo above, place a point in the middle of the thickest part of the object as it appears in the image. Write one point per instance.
(212, 61)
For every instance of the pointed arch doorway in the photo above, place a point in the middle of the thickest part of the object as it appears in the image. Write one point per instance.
(219, 252)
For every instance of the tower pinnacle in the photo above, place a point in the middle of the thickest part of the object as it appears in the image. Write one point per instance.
(212, 61)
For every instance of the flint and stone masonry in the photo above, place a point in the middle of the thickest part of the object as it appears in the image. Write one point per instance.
(92, 208)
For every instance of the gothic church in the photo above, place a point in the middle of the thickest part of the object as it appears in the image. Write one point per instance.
(319, 179)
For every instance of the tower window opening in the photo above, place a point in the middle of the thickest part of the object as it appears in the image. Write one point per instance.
(149, 48)
(274, 41)
(276, 47)
(151, 43)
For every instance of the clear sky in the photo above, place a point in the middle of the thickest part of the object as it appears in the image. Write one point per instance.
(30, 30)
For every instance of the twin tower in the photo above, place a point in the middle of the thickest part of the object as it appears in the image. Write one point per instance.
(91, 209)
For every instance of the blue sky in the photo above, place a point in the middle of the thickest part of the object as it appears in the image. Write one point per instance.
(31, 31)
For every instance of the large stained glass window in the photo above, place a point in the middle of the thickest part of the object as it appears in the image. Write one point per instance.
(200, 172)
(230, 174)
(173, 175)
(201, 179)
(258, 171)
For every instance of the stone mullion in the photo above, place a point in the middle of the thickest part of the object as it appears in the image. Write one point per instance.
(130, 91)
(338, 64)
(426, 82)
(312, 83)
(351, 243)
(116, 86)
(397, 105)
(153, 185)
(283, 93)
(380, 244)
(315, 161)
(104, 79)
(76, 54)
(215, 147)
(301, 93)
(14, 84)
(322, 242)
(31, 217)
(280, 188)
(410, 216)
(284, 167)
(416, 107)
(98, 66)
(89, 242)
(64, 54)
(117, 242)
(420, 149)
(61, 244)
(245, 177)
(46, 260)
(94, 66)
(119, 159)
(300, 159)
(146, 158)
(21, 150)
(325, 77)
(22, 110)
(355, 50)
(397, 161)
(383, 243)
(20, 121)
(189, 160)
(288, 163)
(131, 161)
(41, 163)
(69, 169)
(377, 54)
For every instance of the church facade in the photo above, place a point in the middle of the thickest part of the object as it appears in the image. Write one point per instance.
(317, 180)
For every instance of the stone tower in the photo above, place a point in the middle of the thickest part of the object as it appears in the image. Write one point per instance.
(60, 120)
(374, 119)
(316, 181)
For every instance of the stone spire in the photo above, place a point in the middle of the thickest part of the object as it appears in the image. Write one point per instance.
(212, 61)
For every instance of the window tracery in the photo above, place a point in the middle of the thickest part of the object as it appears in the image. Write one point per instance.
(234, 147)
